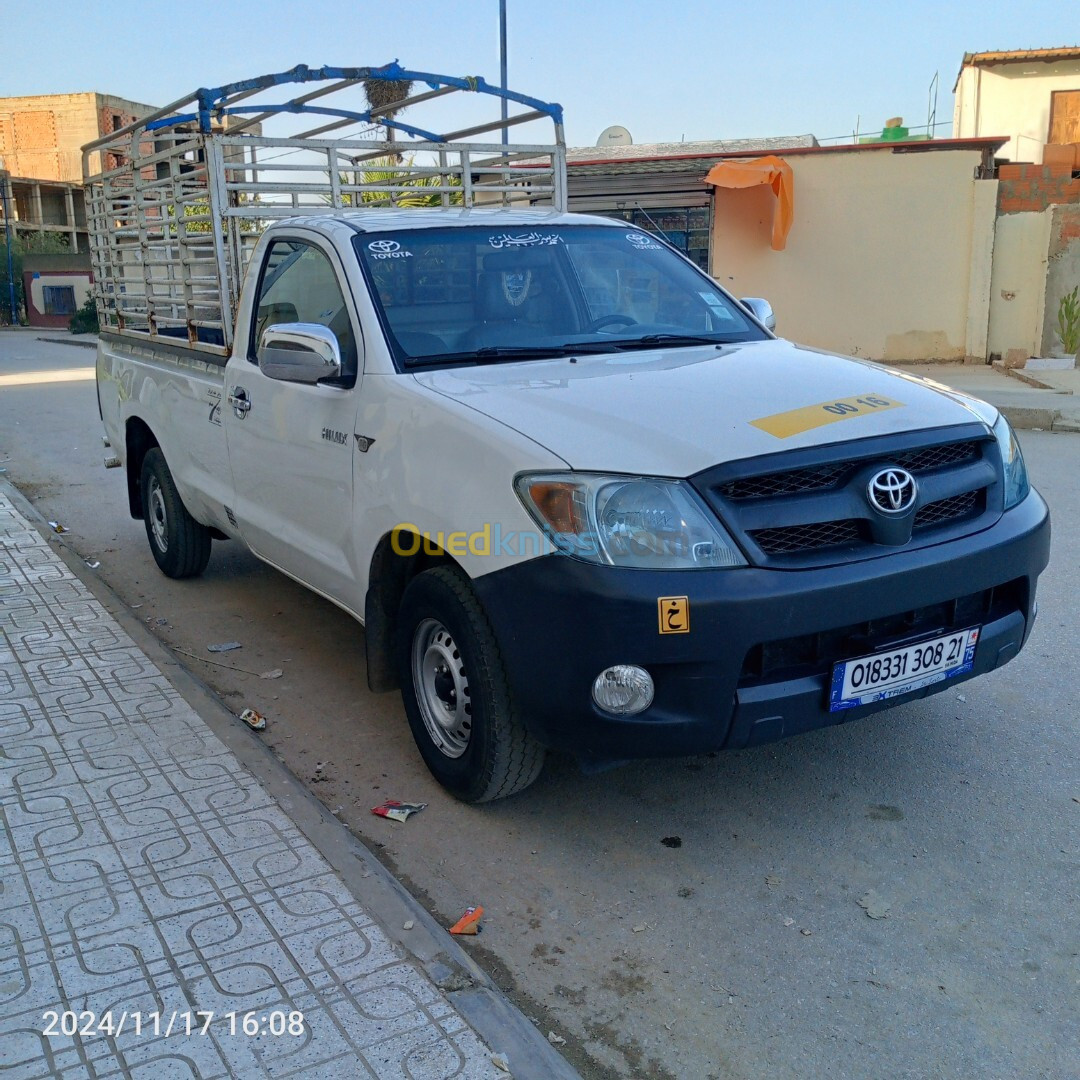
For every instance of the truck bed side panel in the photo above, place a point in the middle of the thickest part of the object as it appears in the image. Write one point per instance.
(179, 397)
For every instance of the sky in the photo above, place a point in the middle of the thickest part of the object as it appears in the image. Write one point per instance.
(685, 69)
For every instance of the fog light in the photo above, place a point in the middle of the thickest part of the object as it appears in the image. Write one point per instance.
(623, 690)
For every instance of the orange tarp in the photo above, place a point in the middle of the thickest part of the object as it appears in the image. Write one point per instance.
(763, 170)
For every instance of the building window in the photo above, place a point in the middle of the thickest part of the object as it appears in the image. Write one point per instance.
(684, 227)
(58, 299)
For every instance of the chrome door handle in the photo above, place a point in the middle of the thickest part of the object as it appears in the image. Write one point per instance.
(238, 399)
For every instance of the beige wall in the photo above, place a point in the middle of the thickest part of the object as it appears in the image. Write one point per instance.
(1013, 100)
(81, 285)
(888, 258)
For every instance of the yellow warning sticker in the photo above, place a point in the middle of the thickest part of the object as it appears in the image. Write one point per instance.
(674, 612)
(784, 425)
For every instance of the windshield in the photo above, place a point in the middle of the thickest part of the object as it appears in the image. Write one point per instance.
(487, 294)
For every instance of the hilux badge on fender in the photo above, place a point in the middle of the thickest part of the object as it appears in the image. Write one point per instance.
(892, 491)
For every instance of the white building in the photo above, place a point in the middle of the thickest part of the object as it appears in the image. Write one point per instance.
(1030, 95)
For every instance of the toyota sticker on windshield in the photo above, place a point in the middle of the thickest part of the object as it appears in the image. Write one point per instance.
(387, 249)
(642, 241)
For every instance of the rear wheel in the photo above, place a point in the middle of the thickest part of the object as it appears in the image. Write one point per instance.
(456, 693)
(180, 545)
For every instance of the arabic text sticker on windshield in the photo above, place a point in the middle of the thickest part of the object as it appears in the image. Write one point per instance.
(531, 239)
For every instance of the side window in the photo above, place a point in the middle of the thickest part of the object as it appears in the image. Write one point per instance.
(299, 285)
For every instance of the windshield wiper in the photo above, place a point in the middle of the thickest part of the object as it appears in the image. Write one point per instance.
(650, 341)
(493, 353)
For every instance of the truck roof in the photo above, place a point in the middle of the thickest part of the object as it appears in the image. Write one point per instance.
(392, 219)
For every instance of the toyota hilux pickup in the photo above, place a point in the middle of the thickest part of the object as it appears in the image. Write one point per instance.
(578, 496)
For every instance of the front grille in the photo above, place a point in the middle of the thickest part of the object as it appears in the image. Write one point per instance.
(958, 506)
(828, 477)
(934, 457)
(821, 534)
(809, 507)
(820, 478)
(816, 653)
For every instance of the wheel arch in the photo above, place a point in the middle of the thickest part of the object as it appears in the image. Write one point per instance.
(139, 440)
(390, 573)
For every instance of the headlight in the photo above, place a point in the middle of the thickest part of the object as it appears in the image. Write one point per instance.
(627, 521)
(1016, 478)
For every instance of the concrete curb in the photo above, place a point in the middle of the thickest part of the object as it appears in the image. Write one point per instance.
(67, 341)
(466, 985)
(1025, 418)
(1030, 418)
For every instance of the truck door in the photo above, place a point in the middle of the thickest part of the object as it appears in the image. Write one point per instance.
(291, 445)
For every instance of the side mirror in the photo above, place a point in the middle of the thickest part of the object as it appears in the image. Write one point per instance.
(761, 310)
(299, 352)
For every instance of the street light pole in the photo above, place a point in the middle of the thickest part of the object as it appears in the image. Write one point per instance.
(502, 67)
(5, 192)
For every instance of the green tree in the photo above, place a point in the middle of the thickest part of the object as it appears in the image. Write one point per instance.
(423, 189)
(85, 320)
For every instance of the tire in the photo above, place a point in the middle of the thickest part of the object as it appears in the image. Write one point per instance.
(180, 545)
(456, 694)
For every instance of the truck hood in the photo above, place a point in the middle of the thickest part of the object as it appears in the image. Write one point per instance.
(675, 412)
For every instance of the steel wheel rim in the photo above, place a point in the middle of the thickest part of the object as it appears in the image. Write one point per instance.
(159, 518)
(442, 688)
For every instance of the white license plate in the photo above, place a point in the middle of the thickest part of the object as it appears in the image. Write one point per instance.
(890, 674)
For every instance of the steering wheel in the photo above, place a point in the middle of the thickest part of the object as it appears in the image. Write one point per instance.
(610, 320)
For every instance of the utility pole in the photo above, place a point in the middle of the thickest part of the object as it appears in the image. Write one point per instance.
(5, 195)
(502, 67)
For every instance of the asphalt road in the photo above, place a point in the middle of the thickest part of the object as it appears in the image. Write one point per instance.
(743, 952)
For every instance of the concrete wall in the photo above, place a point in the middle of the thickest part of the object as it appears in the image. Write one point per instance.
(889, 256)
(1063, 268)
(1036, 259)
(1014, 100)
(1018, 286)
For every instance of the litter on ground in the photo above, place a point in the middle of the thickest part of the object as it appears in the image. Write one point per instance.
(469, 923)
(254, 720)
(397, 811)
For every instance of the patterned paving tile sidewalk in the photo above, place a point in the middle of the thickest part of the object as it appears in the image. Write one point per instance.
(147, 880)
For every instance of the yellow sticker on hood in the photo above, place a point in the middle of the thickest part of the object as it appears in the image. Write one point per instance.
(785, 424)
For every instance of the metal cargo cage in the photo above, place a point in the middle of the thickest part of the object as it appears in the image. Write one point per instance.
(176, 201)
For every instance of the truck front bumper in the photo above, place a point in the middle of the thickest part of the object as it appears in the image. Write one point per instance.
(756, 665)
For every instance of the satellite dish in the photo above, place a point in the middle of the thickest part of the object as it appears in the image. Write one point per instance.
(616, 135)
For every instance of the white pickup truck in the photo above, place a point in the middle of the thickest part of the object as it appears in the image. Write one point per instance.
(578, 495)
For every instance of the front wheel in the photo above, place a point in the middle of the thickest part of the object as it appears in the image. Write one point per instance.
(180, 545)
(456, 693)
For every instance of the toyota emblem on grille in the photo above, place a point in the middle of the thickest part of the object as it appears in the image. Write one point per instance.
(892, 491)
